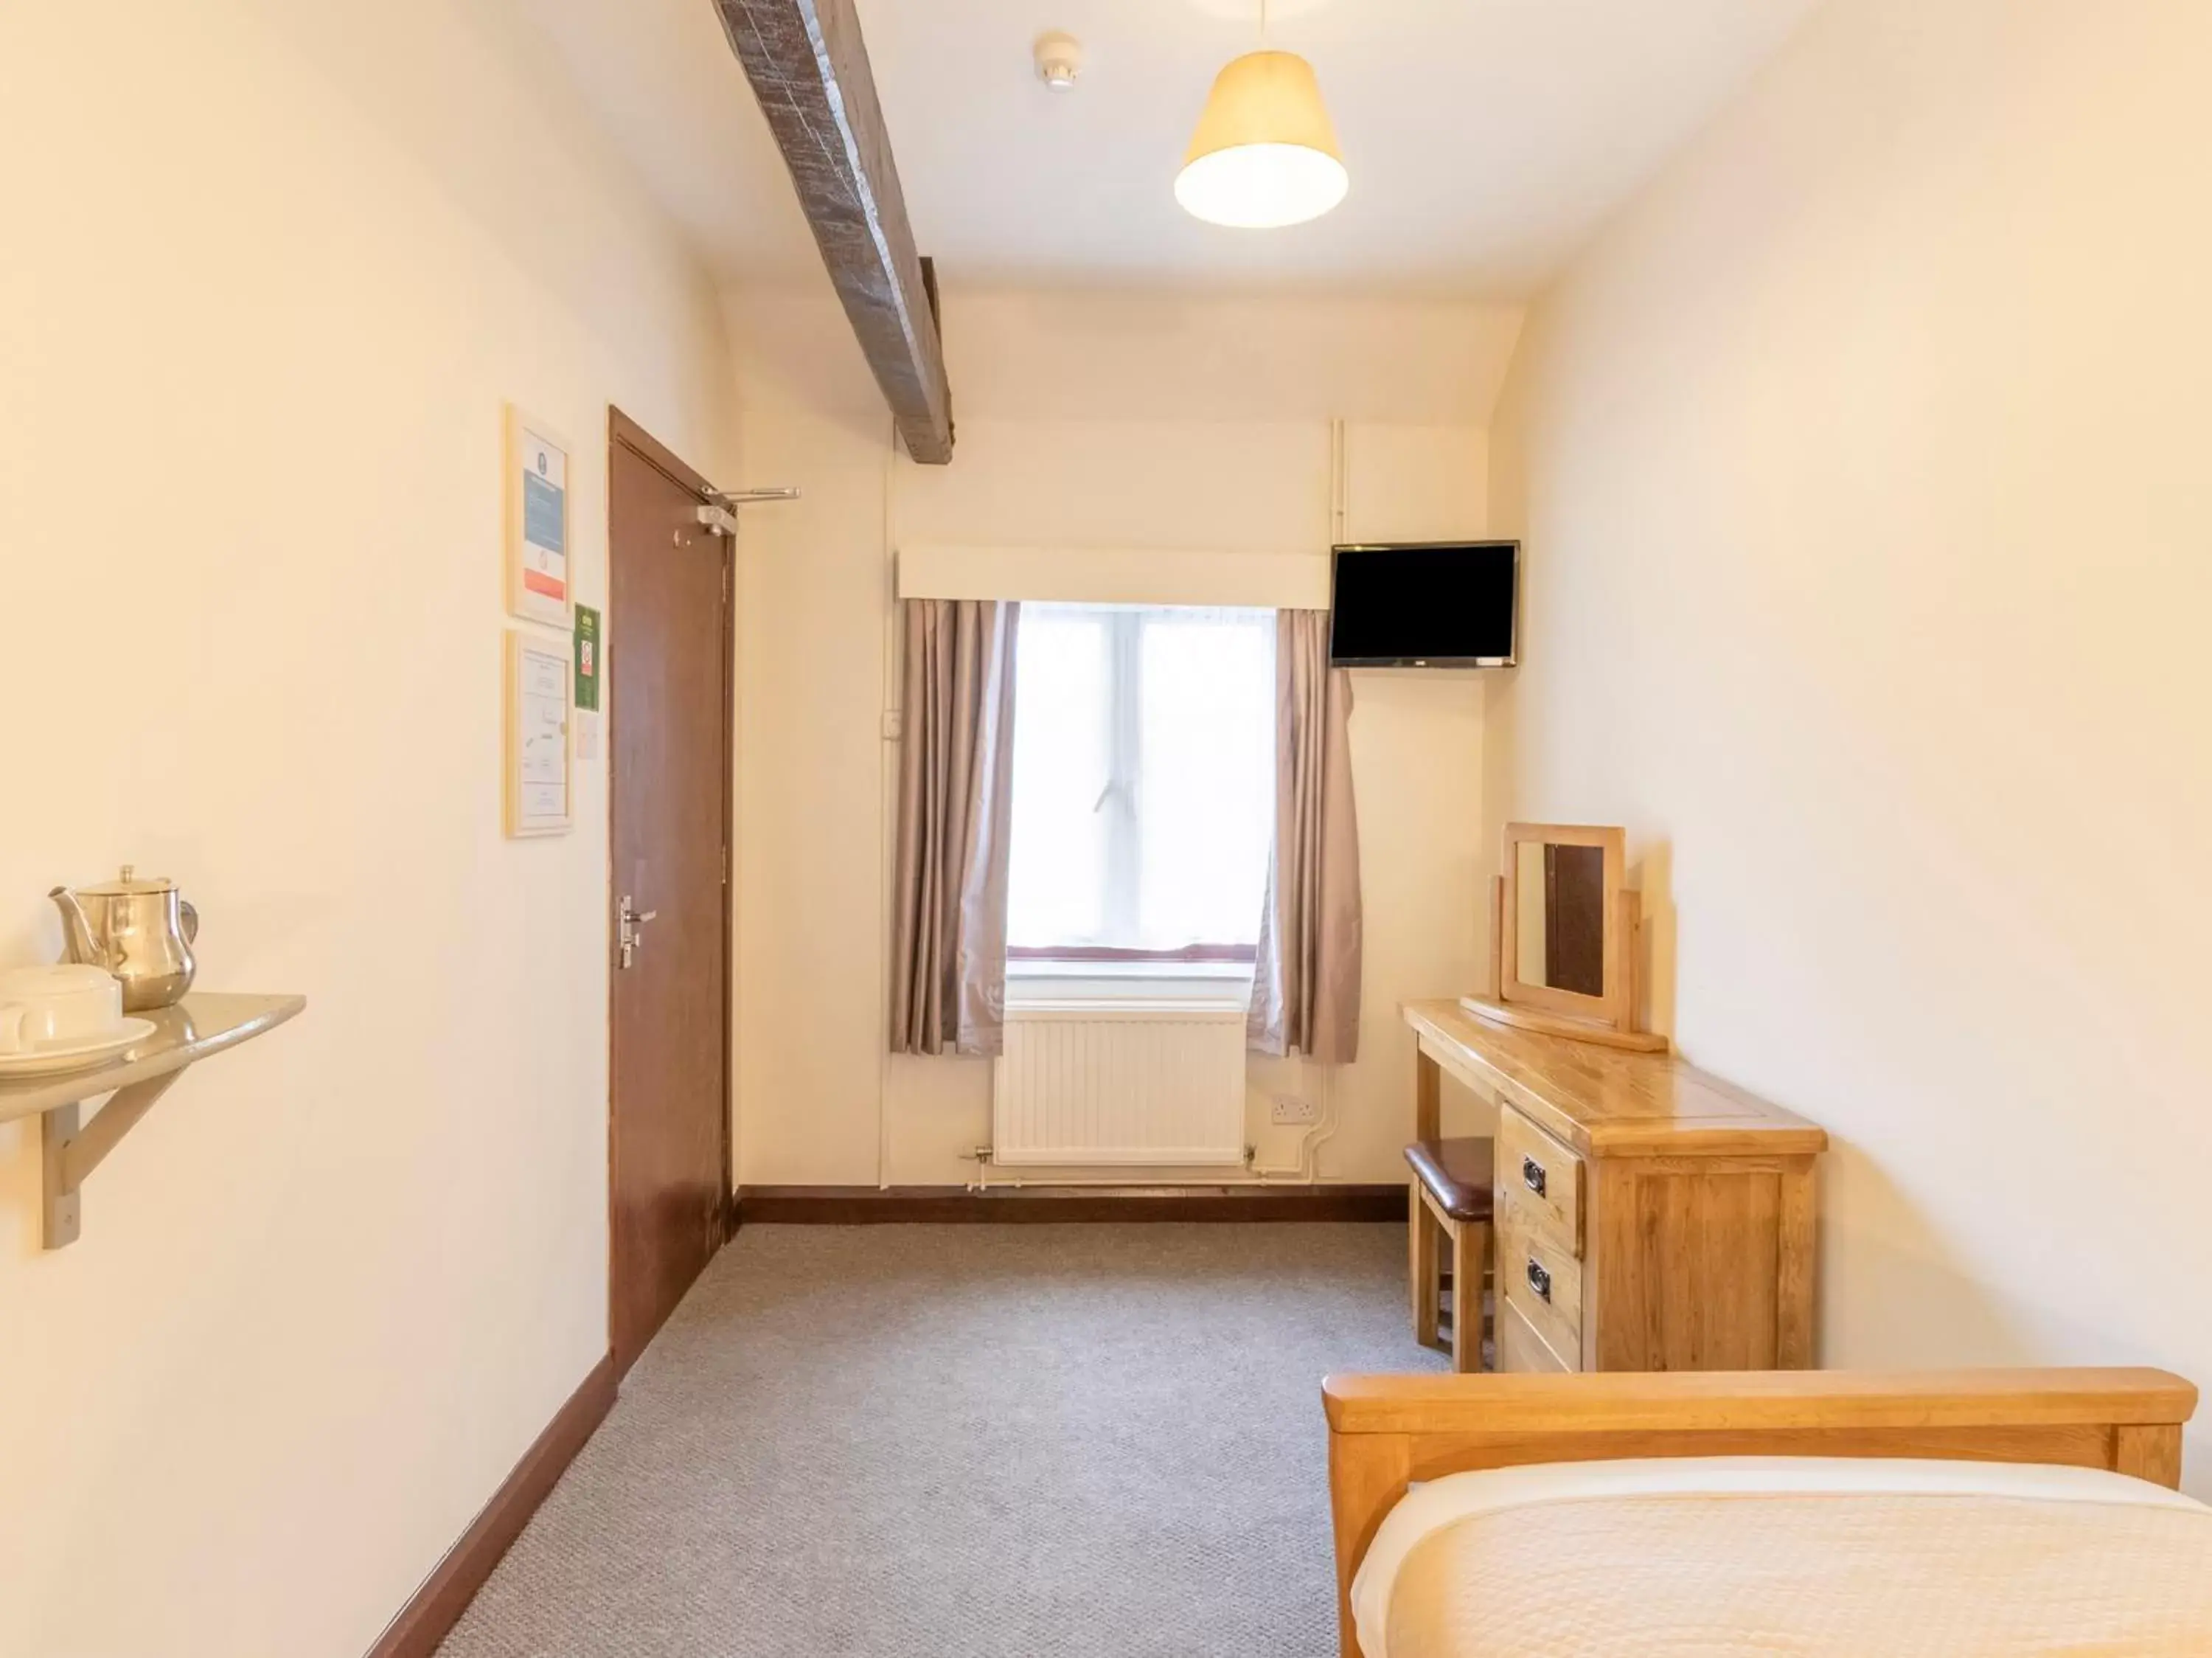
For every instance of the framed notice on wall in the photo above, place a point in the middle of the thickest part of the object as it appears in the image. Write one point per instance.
(538, 521)
(538, 778)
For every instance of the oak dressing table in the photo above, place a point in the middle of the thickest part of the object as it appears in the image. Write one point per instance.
(1648, 1216)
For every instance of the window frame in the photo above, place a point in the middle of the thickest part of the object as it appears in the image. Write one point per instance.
(1121, 895)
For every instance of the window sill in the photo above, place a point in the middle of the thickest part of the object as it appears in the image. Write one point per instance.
(1032, 981)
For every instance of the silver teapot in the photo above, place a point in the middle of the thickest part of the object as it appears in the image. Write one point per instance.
(141, 931)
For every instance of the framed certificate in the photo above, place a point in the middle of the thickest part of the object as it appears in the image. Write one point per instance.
(539, 522)
(537, 776)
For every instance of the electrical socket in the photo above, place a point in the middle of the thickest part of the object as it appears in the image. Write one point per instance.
(1290, 1110)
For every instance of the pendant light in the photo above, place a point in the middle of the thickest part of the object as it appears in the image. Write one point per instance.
(1265, 153)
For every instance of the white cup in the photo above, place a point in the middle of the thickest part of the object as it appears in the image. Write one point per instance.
(44, 1007)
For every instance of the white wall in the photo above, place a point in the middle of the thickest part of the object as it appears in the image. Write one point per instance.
(271, 272)
(1083, 421)
(1862, 465)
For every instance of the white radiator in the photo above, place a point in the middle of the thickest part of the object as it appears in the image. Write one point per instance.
(1154, 1082)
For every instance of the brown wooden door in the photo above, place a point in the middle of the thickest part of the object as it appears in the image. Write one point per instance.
(668, 743)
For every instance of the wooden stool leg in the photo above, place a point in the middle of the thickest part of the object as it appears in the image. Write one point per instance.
(1422, 1264)
(1470, 1254)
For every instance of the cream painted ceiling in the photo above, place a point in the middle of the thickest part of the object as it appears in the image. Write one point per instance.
(1485, 138)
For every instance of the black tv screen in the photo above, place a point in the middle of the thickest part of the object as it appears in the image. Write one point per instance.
(1428, 604)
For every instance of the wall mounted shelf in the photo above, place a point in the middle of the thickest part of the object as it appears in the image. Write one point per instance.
(200, 1025)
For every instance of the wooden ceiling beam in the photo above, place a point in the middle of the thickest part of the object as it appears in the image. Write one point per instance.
(810, 70)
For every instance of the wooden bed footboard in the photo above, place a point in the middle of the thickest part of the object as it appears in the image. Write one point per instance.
(1385, 1431)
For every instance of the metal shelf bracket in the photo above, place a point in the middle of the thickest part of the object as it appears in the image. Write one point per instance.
(72, 1153)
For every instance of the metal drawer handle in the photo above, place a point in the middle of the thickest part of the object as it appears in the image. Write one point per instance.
(1539, 1280)
(1532, 1175)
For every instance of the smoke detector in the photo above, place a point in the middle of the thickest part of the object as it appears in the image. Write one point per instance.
(1058, 59)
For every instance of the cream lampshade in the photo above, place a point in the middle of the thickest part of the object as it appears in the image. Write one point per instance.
(1265, 154)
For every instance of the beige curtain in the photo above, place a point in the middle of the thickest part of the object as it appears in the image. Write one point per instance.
(955, 809)
(1305, 984)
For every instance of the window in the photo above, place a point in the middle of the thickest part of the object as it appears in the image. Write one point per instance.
(1144, 782)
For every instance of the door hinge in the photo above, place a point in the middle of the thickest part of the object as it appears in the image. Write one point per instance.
(726, 866)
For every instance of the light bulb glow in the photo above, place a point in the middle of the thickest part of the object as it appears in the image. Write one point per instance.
(1261, 187)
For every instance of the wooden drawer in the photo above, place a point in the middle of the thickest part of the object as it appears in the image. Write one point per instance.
(1544, 1283)
(1540, 1182)
(1520, 1348)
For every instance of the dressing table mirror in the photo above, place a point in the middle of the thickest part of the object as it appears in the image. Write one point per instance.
(1565, 940)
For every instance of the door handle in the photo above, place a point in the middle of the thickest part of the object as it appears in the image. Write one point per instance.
(630, 922)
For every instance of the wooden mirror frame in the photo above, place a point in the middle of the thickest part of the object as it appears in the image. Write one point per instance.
(1607, 1018)
(1611, 1005)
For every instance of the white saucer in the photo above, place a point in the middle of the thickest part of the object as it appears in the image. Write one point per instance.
(73, 1056)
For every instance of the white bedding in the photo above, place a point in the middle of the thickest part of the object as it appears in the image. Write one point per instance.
(1429, 1508)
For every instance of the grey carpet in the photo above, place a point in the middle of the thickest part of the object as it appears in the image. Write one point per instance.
(1007, 1442)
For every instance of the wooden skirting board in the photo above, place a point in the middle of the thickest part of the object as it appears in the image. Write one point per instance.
(436, 1606)
(844, 1205)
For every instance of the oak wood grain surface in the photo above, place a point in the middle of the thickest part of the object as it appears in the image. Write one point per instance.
(1622, 1101)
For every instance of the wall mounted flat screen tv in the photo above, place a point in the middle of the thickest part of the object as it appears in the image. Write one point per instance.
(1424, 604)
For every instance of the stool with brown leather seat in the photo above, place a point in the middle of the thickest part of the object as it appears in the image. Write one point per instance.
(1449, 1199)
